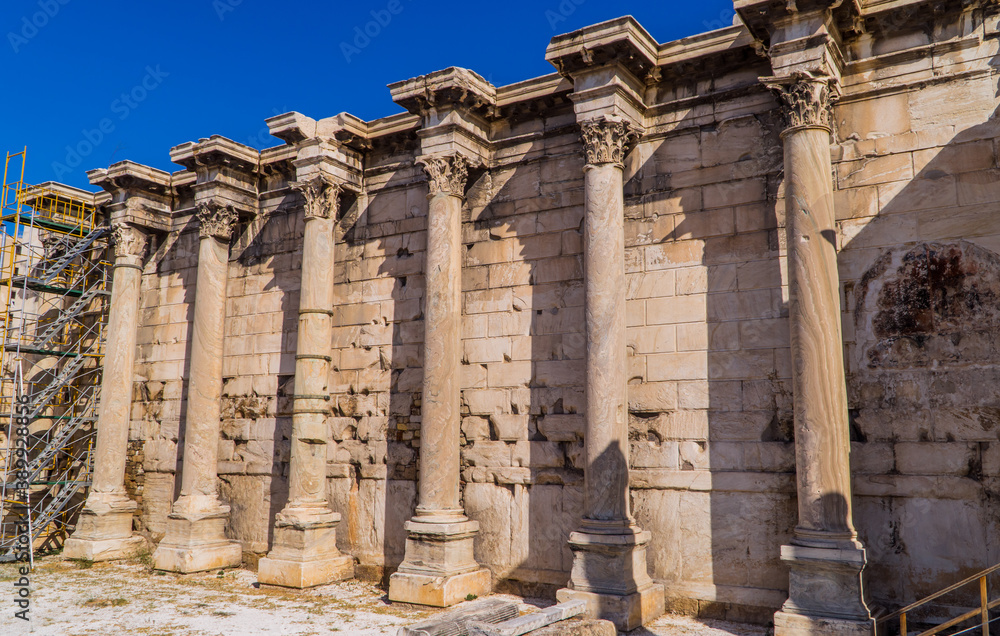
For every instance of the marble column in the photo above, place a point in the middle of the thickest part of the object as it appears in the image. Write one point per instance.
(195, 539)
(609, 548)
(104, 529)
(305, 550)
(439, 568)
(825, 557)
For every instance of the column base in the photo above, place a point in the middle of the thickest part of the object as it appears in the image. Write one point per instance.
(796, 625)
(439, 568)
(825, 592)
(439, 591)
(305, 551)
(610, 574)
(628, 612)
(196, 542)
(104, 530)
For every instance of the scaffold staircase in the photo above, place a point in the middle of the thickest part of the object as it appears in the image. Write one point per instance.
(55, 290)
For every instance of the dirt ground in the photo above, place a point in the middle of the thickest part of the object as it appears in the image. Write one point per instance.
(71, 598)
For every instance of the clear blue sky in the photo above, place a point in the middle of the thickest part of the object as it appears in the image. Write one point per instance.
(155, 74)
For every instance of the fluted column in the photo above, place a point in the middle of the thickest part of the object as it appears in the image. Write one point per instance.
(305, 550)
(195, 538)
(825, 557)
(104, 529)
(439, 567)
(609, 548)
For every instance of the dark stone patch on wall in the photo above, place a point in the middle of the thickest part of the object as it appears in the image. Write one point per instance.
(941, 306)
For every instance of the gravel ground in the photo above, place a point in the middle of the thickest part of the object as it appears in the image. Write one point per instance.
(76, 599)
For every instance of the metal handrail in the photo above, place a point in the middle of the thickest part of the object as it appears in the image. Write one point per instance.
(985, 605)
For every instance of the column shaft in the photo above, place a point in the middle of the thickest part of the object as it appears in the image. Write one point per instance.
(307, 477)
(104, 529)
(822, 442)
(606, 477)
(438, 490)
(204, 406)
(114, 412)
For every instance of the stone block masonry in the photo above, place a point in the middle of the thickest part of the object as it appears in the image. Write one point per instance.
(680, 326)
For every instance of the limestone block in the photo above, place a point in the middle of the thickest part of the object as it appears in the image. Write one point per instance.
(654, 455)
(487, 350)
(490, 505)
(652, 397)
(486, 453)
(677, 366)
(510, 427)
(537, 455)
(561, 428)
(486, 401)
(661, 311)
(491, 300)
(476, 428)
(922, 458)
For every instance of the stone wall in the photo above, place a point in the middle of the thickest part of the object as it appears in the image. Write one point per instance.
(710, 397)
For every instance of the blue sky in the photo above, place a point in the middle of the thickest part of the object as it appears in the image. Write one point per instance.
(90, 82)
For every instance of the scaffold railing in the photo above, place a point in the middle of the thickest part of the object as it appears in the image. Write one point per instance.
(55, 289)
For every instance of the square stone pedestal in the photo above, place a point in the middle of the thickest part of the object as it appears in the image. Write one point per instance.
(197, 543)
(825, 593)
(628, 612)
(795, 625)
(305, 553)
(104, 531)
(610, 575)
(439, 568)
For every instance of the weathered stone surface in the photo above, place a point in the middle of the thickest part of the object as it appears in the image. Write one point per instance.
(585, 627)
(456, 622)
(529, 622)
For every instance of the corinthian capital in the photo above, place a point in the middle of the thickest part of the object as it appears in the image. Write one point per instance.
(446, 173)
(216, 220)
(606, 140)
(807, 98)
(322, 197)
(129, 241)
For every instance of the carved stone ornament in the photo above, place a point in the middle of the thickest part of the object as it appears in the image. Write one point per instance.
(446, 174)
(606, 140)
(129, 242)
(322, 197)
(216, 220)
(807, 98)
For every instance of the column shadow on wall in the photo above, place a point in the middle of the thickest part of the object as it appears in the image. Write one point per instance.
(255, 408)
(712, 454)
(383, 496)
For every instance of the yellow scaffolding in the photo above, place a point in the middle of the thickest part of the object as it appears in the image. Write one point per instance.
(55, 288)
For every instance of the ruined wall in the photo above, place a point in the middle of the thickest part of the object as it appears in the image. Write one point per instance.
(710, 402)
(918, 196)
